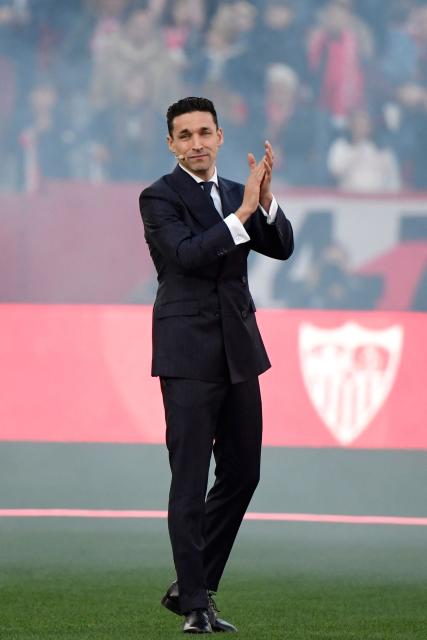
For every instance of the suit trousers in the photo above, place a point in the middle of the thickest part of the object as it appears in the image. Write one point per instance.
(201, 418)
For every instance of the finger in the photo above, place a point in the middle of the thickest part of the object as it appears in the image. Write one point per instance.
(268, 167)
(260, 167)
(268, 160)
(268, 147)
(269, 151)
(251, 161)
(260, 173)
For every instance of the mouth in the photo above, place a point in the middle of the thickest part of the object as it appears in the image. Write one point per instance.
(200, 156)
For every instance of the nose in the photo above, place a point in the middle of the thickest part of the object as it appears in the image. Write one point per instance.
(197, 144)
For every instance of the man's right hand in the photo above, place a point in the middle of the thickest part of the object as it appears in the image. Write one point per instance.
(252, 188)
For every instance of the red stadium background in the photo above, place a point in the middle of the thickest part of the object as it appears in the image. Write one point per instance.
(80, 372)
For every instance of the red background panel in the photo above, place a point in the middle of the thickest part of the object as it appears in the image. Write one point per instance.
(80, 373)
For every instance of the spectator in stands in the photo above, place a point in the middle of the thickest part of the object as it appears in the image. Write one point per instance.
(73, 47)
(373, 13)
(44, 146)
(418, 106)
(91, 47)
(399, 58)
(412, 99)
(76, 113)
(110, 16)
(332, 285)
(358, 163)
(138, 47)
(338, 47)
(220, 72)
(15, 69)
(405, 124)
(280, 38)
(228, 39)
(125, 146)
(419, 29)
(185, 21)
(405, 99)
(290, 123)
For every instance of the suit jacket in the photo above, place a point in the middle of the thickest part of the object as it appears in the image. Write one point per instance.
(204, 324)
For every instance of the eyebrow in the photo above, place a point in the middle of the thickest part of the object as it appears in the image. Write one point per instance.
(185, 131)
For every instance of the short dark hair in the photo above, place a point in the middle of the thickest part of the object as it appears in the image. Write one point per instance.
(187, 105)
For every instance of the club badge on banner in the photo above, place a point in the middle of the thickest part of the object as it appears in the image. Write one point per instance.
(348, 373)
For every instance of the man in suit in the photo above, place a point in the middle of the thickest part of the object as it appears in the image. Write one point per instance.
(207, 349)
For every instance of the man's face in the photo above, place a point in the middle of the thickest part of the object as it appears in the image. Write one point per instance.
(197, 139)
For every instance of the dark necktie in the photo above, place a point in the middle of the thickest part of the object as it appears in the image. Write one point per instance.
(207, 188)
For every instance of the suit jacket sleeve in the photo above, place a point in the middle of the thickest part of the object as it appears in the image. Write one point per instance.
(166, 230)
(273, 240)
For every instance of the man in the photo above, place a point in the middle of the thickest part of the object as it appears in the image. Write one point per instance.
(207, 349)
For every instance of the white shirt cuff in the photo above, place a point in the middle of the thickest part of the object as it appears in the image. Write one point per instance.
(236, 229)
(272, 212)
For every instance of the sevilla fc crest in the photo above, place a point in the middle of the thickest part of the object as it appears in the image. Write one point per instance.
(348, 373)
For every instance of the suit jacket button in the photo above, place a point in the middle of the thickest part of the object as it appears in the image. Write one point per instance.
(244, 313)
(244, 279)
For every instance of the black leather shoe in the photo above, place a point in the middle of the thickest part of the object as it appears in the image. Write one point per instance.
(171, 599)
(218, 624)
(197, 621)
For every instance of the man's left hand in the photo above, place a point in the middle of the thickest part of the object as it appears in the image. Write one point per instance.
(265, 195)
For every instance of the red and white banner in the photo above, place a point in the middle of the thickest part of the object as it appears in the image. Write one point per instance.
(74, 373)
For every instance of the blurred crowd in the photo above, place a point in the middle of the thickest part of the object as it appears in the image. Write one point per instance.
(339, 87)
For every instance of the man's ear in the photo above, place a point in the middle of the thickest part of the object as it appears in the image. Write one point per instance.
(171, 144)
(220, 136)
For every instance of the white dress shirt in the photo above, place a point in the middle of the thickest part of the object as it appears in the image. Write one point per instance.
(233, 223)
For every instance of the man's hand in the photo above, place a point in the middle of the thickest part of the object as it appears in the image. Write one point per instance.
(251, 195)
(265, 195)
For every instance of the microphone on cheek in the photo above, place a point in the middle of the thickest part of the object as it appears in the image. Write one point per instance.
(180, 157)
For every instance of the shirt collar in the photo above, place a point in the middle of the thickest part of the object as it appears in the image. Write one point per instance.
(213, 178)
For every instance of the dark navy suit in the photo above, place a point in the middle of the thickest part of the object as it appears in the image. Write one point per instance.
(208, 352)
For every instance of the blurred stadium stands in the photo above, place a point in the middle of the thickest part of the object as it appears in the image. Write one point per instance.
(339, 87)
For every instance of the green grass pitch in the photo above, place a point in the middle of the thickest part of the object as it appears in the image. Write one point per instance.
(102, 580)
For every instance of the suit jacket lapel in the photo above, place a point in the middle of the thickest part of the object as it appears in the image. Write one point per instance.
(230, 197)
(199, 204)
